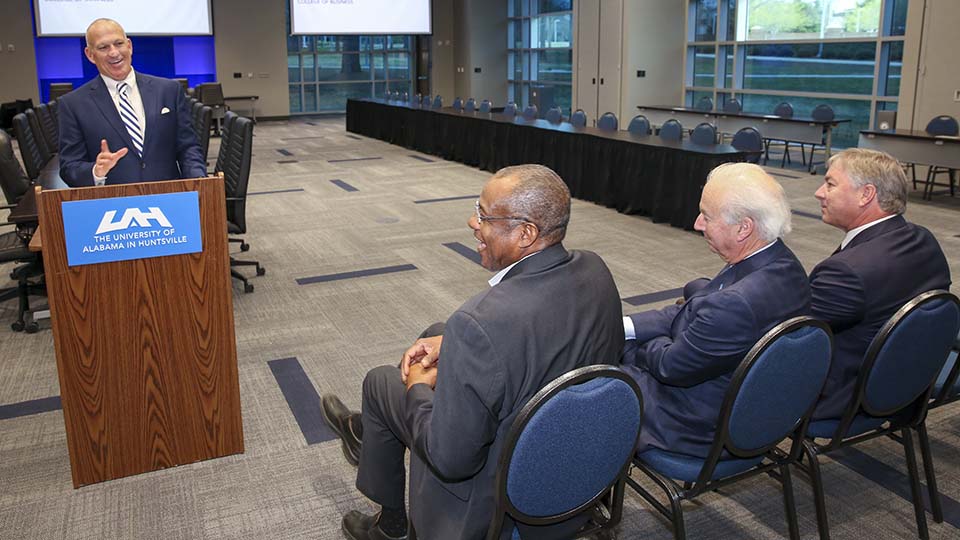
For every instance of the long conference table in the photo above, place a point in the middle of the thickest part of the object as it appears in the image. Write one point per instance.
(793, 129)
(633, 174)
(914, 146)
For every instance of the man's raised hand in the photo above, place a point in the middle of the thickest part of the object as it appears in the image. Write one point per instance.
(107, 159)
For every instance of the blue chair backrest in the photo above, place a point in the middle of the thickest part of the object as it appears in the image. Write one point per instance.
(705, 104)
(405, 96)
(570, 442)
(438, 102)
(426, 102)
(783, 110)
(510, 109)
(639, 125)
(471, 105)
(777, 384)
(732, 106)
(530, 113)
(485, 106)
(823, 113)
(908, 352)
(943, 125)
(671, 130)
(705, 133)
(458, 104)
(607, 122)
(578, 118)
(748, 139)
(554, 115)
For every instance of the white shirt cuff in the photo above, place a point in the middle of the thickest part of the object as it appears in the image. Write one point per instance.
(98, 180)
(629, 331)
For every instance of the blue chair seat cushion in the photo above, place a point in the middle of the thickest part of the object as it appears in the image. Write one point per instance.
(687, 468)
(824, 429)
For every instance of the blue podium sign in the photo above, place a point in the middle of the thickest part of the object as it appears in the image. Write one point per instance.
(126, 228)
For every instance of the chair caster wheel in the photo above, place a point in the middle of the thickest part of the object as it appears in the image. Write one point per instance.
(244, 246)
(261, 270)
(248, 288)
(17, 326)
(32, 328)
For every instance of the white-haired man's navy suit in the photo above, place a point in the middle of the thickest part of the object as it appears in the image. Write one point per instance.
(89, 115)
(685, 355)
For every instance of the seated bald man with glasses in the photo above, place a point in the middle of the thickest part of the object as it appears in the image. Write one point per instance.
(460, 386)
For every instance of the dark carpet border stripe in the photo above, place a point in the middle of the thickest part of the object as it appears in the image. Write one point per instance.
(293, 190)
(895, 481)
(303, 138)
(27, 408)
(356, 274)
(784, 175)
(343, 185)
(355, 137)
(284, 151)
(423, 159)
(810, 215)
(288, 161)
(445, 199)
(352, 159)
(464, 250)
(302, 399)
(650, 298)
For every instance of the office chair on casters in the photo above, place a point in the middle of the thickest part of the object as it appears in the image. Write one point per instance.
(485, 106)
(457, 104)
(211, 94)
(236, 175)
(510, 109)
(471, 106)
(13, 244)
(568, 451)
(891, 397)
(202, 118)
(530, 112)
(770, 398)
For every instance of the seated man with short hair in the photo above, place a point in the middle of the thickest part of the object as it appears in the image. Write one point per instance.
(548, 311)
(881, 264)
(683, 356)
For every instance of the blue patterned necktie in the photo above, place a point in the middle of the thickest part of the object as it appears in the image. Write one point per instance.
(130, 118)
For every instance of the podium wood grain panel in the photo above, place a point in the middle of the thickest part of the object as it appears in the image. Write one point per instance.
(146, 350)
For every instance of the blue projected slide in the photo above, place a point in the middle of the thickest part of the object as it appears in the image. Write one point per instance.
(360, 16)
(162, 17)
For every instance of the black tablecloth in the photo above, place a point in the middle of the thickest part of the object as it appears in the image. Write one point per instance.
(638, 175)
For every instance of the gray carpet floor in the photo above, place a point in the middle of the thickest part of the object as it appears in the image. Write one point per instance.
(302, 224)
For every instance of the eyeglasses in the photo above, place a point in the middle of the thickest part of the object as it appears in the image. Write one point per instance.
(481, 218)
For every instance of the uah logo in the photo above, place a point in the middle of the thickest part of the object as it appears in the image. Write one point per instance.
(130, 216)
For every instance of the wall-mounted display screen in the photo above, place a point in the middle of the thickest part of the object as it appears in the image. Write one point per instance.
(326, 17)
(156, 17)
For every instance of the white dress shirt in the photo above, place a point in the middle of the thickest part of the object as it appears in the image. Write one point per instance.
(498, 277)
(133, 95)
(854, 232)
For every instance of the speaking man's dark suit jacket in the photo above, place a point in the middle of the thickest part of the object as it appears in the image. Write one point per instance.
(553, 312)
(170, 149)
(684, 356)
(858, 289)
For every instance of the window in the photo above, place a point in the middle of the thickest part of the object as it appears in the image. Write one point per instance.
(325, 71)
(845, 53)
(540, 52)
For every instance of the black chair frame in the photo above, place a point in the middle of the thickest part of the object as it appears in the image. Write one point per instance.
(898, 428)
(776, 463)
(610, 500)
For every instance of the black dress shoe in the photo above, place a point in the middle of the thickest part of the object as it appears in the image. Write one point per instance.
(345, 424)
(357, 526)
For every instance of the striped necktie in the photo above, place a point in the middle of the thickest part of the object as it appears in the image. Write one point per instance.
(130, 118)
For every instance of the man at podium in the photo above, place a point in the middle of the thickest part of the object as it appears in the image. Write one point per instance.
(124, 126)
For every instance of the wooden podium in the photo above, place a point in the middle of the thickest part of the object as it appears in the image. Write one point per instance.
(146, 350)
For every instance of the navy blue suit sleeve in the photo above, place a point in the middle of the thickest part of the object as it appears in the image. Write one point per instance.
(453, 426)
(75, 168)
(653, 323)
(722, 329)
(837, 294)
(189, 156)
